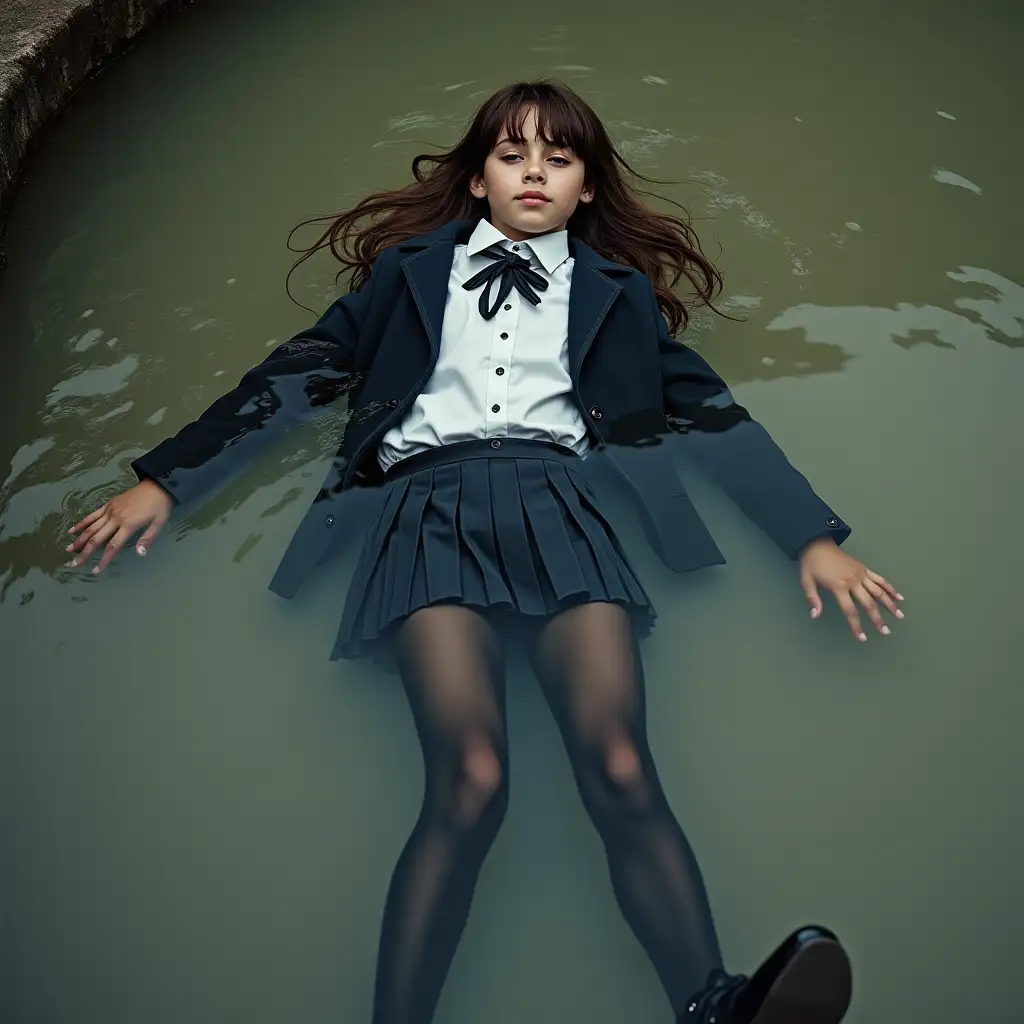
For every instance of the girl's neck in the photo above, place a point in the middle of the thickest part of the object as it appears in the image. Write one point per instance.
(521, 236)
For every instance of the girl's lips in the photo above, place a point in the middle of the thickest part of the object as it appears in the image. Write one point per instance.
(533, 201)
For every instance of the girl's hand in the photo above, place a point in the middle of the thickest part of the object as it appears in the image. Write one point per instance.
(822, 562)
(147, 504)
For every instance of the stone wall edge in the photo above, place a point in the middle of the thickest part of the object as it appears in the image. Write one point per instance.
(48, 52)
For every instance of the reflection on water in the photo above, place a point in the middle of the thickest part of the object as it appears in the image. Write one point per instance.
(205, 811)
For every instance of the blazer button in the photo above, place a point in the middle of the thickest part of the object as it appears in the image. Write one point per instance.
(597, 412)
(495, 443)
(833, 523)
(393, 403)
(329, 521)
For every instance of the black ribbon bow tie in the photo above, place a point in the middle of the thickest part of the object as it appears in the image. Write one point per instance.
(513, 270)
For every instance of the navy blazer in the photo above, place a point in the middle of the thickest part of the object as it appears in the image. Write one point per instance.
(635, 386)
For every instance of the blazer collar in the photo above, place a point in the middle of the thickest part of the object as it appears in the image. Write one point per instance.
(453, 231)
(459, 232)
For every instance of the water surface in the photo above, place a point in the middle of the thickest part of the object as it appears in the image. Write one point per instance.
(202, 812)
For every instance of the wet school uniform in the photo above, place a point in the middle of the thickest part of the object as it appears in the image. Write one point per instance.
(478, 426)
(485, 504)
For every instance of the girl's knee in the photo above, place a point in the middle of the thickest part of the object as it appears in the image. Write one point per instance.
(626, 783)
(481, 787)
(482, 770)
(622, 763)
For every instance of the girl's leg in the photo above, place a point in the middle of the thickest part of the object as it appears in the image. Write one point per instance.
(588, 663)
(452, 670)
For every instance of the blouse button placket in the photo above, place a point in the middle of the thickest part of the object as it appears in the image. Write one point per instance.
(502, 342)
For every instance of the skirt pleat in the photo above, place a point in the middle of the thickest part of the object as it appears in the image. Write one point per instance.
(618, 576)
(407, 547)
(364, 574)
(518, 534)
(550, 532)
(598, 557)
(483, 578)
(513, 542)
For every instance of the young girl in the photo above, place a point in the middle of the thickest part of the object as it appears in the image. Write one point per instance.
(505, 344)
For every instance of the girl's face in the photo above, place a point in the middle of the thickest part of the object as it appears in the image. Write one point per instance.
(514, 174)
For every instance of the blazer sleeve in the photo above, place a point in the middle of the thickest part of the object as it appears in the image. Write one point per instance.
(298, 377)
(736, 452)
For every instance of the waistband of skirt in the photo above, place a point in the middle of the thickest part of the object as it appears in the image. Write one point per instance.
(482, 448)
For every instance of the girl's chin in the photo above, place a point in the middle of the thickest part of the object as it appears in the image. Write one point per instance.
(531, 218)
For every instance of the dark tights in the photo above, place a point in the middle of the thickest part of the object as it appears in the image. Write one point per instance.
(589, 667)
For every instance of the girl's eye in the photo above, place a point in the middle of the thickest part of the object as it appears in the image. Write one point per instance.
(562, 161)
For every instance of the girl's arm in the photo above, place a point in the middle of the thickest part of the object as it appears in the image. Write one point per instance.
(737, 452)
(306, 372)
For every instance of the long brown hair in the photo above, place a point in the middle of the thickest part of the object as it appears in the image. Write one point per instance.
(616, 224)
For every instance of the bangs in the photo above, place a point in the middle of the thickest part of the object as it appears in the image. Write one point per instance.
(560, 122)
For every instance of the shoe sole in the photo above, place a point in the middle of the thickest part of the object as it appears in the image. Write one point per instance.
(814, 987)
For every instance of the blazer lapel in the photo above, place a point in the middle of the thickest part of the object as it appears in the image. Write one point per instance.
(427, 272)
(427, 265)
(591, 295)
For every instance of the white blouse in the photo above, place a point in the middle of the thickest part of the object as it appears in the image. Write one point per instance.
(505, 377)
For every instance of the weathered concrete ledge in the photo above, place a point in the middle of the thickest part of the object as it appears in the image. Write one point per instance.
(48, 49)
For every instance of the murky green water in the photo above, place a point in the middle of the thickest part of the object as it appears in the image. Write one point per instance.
(201, 812)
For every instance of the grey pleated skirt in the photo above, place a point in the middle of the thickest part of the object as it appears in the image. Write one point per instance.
(503, 526)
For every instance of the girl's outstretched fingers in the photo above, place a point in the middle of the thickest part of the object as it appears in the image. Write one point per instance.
(83, 523)
(811, 593)
(149, 536)
(92, 536)
(117, 542)
(145, 505)
(867, 602)
(888, 592)
(821, 562)
(879, 593)
(849, 609)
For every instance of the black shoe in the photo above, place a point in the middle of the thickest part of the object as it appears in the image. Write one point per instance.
(805, 981)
